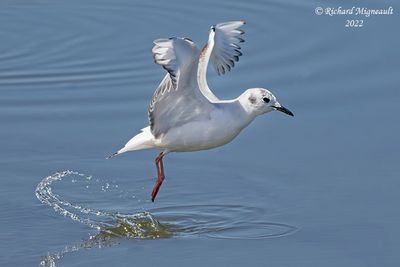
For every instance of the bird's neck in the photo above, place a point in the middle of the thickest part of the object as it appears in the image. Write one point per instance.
(240, 116)
(247, 115)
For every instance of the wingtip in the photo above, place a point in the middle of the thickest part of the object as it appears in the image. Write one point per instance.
(113, 155)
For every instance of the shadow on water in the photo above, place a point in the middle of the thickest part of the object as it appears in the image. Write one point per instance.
(210, 221)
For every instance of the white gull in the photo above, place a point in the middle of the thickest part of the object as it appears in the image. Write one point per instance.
(184, 114)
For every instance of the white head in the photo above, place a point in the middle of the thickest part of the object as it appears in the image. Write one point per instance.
(257, 101)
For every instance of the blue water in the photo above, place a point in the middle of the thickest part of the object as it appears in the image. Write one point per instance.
(319, 189)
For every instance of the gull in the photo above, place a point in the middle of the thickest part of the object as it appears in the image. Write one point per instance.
(184, 114)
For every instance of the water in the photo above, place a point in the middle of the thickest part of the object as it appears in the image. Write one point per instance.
(320, 189)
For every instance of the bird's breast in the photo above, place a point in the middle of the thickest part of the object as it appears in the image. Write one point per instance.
(200, 135)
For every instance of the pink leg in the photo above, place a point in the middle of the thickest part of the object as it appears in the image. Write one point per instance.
(160, 175)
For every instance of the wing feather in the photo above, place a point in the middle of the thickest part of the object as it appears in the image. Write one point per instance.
(177, 100)
(226, 48)
(183, 95)
(223, 49)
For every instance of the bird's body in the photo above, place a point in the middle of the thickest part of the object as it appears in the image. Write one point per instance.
(224, 123)
(184, 114)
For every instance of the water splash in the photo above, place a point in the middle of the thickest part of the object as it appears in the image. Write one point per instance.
(212, 221)
(140, 225)
(217, 221)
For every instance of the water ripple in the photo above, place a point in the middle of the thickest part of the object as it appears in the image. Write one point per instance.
(216, 221)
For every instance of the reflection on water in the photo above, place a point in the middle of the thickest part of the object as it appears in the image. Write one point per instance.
(97, 241)
(215, 221)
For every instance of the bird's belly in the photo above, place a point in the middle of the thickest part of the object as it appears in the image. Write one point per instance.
(197, 136)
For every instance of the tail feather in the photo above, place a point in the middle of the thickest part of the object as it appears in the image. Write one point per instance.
(143, 140)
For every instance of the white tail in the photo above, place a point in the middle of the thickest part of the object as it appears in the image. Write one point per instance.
(143, 140)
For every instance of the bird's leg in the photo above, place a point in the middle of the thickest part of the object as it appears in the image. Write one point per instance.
(161, 164)
(160, 176)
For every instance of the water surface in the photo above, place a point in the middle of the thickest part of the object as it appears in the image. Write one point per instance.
(319, 189)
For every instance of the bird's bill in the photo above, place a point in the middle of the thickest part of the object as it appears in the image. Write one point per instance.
(284, 110)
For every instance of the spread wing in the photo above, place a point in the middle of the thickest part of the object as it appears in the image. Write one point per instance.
(177, 99)
(226, 48)
(223, 49)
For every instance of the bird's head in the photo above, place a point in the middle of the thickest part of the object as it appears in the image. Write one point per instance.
(258, 101)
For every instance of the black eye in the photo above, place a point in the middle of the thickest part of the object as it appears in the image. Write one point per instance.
(266, 99)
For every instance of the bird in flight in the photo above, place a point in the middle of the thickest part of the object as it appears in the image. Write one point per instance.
(184, 114)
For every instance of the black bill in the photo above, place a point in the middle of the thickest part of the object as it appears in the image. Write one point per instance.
(284, 110)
